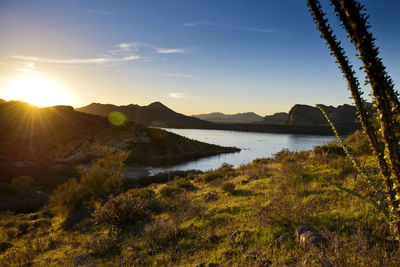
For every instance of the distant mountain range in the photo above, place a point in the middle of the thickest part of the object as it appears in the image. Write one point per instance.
(155, 114)
(302, 119)
(218, 117)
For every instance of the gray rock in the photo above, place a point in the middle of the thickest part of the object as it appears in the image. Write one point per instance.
(210, 197)
(281, 239)
(83, 259)
(307, 236)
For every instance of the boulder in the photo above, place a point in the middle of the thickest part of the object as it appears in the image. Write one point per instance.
(307, 236)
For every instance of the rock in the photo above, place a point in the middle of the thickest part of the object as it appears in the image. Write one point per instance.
(201, 264)
(281, 239)
(210, 197)
(306, 235)
(83, 259)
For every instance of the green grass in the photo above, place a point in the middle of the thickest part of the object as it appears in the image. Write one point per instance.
(240, 227)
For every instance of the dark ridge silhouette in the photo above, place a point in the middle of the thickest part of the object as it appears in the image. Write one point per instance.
(60, 135)
(155, 114)
(218, 117)
(277, 118)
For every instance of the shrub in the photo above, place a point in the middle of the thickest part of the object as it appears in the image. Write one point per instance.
(331, 148)
(104, 245)
(96, 184)
(23, 228)
(185, 185)
(122, 211)
(212, 175)
(169, 191)
(228, 187)
(4, 245)
(359, 143)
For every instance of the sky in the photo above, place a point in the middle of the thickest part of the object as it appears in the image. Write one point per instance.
(196, 57)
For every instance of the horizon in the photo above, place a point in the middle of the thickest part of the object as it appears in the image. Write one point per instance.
(229, 57)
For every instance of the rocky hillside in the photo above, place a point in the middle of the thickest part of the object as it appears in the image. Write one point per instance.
(308, 115)
(218, 117)
(277, 118)
(155, 114)
(60, 134)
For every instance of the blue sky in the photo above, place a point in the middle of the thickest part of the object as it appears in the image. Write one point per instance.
(194, 56)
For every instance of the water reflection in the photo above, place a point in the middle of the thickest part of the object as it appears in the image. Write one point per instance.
(253, 145)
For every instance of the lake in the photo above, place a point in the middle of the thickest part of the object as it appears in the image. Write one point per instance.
(253, 145)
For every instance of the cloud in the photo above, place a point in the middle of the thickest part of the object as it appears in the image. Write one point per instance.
(101, 12)
(178, 95)
(28, 67)
(161, 50)
(264, 30)
(178, 75)
(199, 23)
(98, 60)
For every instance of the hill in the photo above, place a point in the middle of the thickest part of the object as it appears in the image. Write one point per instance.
(218, 117)
(277, 118)
(60, 135)
(155, 114)
(309, 115)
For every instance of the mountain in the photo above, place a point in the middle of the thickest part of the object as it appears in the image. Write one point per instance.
(277, 118)
(155, 114)
(308, 115)
(219, 117)
(62, 135)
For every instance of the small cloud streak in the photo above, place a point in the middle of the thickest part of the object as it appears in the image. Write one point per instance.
(178, 75)
(161, 50)
(99, 60)
(28, 68)
(264, 30)
(178, 95)
(199, 23)
(101, 12)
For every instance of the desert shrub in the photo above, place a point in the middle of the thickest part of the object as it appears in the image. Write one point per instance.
(228, 187)
(23, 184)
(282, 154)
(291, 166)
(69, 197)
(212, 175)
(104, 245)
(96, 184)
(359, 143)
(169, 191)
(331, 148)
(122, 211)
(148, 194)
(185, 185)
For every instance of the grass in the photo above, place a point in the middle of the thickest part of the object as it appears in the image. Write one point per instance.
(240, 227)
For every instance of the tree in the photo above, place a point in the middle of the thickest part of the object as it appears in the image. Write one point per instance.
(383, 138)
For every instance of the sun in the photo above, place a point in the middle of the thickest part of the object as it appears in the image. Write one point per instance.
(36, 90)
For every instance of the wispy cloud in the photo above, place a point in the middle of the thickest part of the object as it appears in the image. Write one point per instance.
(264, 30)
(98, 60)
(178, 95)
(28, 68)
(178, 75)
(101, 12)
(161, 50)
(199, 23)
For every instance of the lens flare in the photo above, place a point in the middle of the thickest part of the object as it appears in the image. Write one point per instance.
(116, 118)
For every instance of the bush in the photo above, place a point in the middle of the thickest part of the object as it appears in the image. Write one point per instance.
(331, 148)
(169, 191)
(4, 245)
(359, 143)
(212, 175)
(122, 211)
(185, 185)
(228, 187)
(96, 184)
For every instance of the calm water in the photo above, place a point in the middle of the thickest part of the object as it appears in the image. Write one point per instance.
(253, 145)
